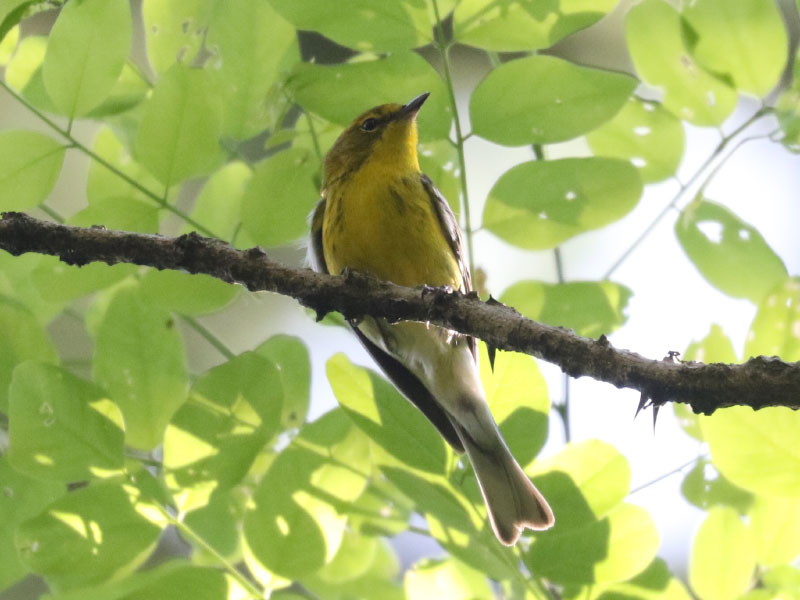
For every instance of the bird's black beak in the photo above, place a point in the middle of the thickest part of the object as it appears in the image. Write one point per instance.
(411, 109)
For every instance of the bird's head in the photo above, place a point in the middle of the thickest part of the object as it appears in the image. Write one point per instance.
(384, 136)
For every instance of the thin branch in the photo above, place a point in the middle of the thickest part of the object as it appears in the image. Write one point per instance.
(761, 381)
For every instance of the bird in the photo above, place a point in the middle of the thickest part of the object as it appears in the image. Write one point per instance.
(380, 215)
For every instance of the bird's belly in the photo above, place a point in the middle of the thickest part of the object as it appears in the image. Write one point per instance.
(392, 234)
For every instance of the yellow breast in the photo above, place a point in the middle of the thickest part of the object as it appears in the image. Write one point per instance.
(386, 225)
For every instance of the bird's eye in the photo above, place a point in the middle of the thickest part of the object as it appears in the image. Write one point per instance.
(369, 124)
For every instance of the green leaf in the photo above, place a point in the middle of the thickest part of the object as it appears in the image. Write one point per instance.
(139, 359)
(340, 93)
(542, 99)
(704, 487)
(189, 582)
(591, 308)
(654, 583)
(540, 204)
(16, 282)
(295, 525)
(614, 548)
(365, 25)
(583, 483)
(129, 91)
(29, 342)
(716, 347)
(21, 497)
(279, 197)
(775, 526)
(29, 166)
(249, 40)
(654, 32)
(174, 31)
(519, 25)
(185, 293)
(782, 578)
(11, 13)
(731, 254)
(87, 49)
(178, 136)
(8, 45)
(386, 417)
(24, 72)
(218, 524)
(213, 439)
(218, 207)
(645, 134)
(290, 355)
(517, 395)
(62, 428)
(88, 536)
(446, 578)
(353, 559)
(744, 40)
(775, 330)
(103, 183)
(723, 557)
(756, 450)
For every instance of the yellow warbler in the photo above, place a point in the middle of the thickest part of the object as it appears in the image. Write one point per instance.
(380, 215)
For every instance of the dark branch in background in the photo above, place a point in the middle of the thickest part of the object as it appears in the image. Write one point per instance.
(760, 382)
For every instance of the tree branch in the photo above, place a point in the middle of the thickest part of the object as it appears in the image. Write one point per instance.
(760, 382)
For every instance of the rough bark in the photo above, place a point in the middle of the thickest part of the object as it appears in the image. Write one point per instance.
(761, 381)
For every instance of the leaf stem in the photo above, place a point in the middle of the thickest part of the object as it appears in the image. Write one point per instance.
(444, 51)
(66, 134)
(51, 213)
(665, 475)
(208, 336)
(673, 203)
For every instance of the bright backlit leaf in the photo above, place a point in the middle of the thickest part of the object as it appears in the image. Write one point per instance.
(614, 548)
(174, 31)
(756, 450)
(775, 330)
(517, 395)
(340, 93)
(540, 204)
(29, 342)
(232, 412)
(543, 99)
(8, 44)
(218, 207)
(62, 428)
(294, 526)
(279, 196)
(583, 483)
(745, 40)
(723, 557)
(591, 308)
(21, 497)
(654, 583)
(365, 25)
(24, 72)
(185, 293)
(88, 536)
(645, 134)
(519, 25)
(86, 51)
(29, 166)
(248, 41)
(290, 355)
(446, 578)
(657, 45)
(388, 418)
(139, 359)
(178, 136)
(776, 530)
(731, 254)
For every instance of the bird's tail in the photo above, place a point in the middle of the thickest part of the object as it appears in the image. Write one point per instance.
(513, 502)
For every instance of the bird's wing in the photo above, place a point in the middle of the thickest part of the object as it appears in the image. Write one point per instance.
(452, 232)
(403, 379)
